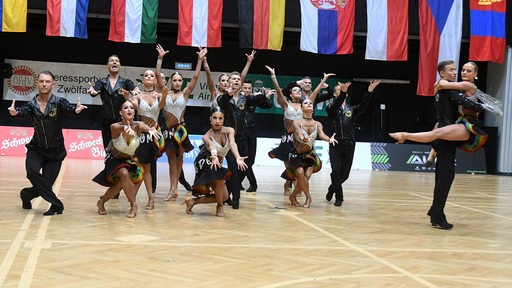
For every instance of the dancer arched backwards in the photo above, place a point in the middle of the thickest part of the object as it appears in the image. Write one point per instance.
(209, 184)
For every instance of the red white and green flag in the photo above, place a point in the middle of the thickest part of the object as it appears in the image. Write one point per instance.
(133, 21)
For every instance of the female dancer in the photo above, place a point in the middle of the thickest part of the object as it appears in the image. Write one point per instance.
(149, 103)
(176, 136)
(466, 127)
(303, 161)
(122, 171)
(209, 184)
(292, 111)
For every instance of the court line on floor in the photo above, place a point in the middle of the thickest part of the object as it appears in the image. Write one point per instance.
(33, 257)
(467, 208)
(394, 267)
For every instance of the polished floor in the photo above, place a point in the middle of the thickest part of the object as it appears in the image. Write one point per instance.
(380, 237)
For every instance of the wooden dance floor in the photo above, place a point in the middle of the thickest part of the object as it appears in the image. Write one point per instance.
(380, 237)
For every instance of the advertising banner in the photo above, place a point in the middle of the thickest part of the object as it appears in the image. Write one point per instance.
(72, 81)
(88, 144)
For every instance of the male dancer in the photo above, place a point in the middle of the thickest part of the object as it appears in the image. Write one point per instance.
(343, 117)
(447, 102)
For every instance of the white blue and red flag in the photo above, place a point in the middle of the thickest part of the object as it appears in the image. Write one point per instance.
(487, 29)
(67, 18)
(440, 37)
(388, 23)
(327, 26)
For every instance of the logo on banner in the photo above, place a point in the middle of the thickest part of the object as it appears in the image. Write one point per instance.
(23, 80)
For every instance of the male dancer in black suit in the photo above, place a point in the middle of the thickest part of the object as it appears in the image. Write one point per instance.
(447, 102)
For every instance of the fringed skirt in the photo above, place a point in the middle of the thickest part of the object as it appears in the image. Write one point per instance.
(177, 137)
(108, 178)
(205, 175)
(150, 148)
(304, 160)
(477, 137)
(281, 151)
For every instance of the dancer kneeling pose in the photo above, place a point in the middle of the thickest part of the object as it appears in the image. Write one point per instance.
(122, 170)
(209, 183)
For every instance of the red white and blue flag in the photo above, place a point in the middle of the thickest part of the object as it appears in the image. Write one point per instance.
(67, 18)
(487, 30)
(327, 26)
(386, 37)
(440, 37)
(200, 23)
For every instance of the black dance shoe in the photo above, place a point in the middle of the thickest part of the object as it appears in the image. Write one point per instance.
(25, 199)
(441, 224)
(235, 204)
(338, 202)
(53, 210)
(329, 194)
(252, 189)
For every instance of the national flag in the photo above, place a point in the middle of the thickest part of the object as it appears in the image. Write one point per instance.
(67, 18)
(133, 21)
(13, 15)
(386, 37)
(199, 23)
(487, 30)
(261, 24)
(327, 26)
(440, 37)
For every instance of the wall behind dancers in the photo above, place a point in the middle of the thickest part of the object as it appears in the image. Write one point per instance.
(404, 111)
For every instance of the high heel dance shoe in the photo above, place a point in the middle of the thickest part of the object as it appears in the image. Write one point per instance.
(171, 196)
(220, 211)
(53, 210)
(151, 204)
(190, 204)
(307, 204)
(101, 207)
(133, 210)
(294, 201)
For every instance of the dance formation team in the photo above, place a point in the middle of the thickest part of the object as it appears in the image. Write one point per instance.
(134, 135)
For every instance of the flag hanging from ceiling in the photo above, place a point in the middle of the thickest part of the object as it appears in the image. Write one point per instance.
(440, 37)
(13, 14)
(199, 23)
(388, 23)
(261, 24)
(327, 27)
(487, 30)
(133, 21)
(67, 18)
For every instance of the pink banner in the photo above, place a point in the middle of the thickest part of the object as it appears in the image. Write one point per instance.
(80, 144)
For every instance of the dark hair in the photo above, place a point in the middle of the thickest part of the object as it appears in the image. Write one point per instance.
(215, 110)
(114, 55)
(248, 81)
(443, 64)
(233, 74)
(474, 65)
(46, 72)
(306, 77)
(176, 73)
(223, 74)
